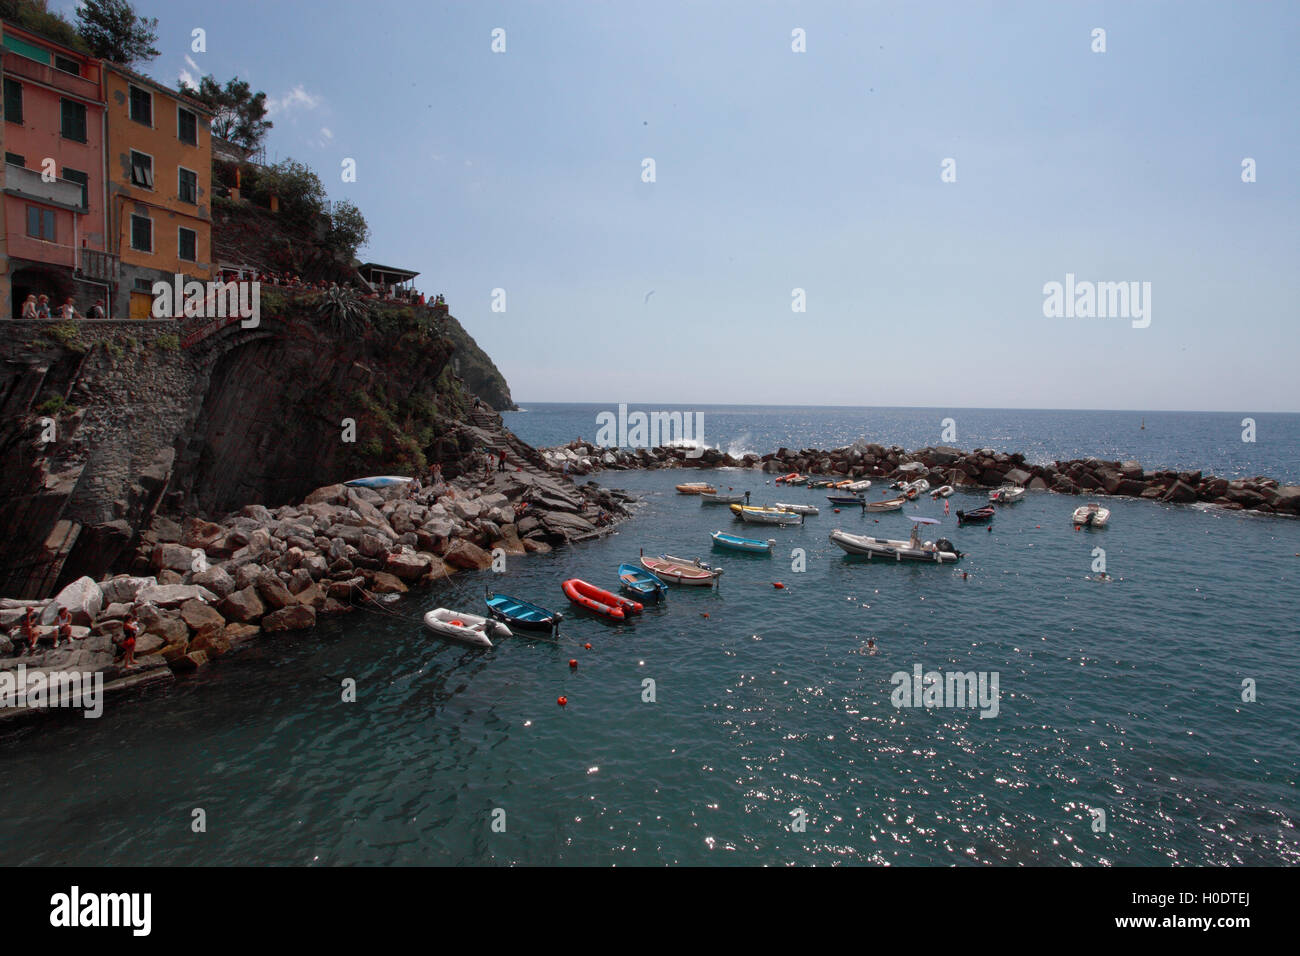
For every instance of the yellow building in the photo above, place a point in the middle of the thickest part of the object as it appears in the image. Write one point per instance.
(159, 177)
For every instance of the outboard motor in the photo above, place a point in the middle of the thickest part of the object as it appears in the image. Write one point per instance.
(943, 544)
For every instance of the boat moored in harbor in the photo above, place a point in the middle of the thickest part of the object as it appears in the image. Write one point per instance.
(463, 627)
(737, 543)
(1091, 515)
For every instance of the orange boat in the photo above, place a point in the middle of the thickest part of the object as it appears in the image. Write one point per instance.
(600, 601)
(696, 488)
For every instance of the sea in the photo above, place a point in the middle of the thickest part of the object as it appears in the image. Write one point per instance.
(1143, 718)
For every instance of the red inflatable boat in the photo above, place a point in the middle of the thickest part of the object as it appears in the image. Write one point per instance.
(599, 601)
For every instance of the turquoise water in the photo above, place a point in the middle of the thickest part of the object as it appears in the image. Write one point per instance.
(1122, 696)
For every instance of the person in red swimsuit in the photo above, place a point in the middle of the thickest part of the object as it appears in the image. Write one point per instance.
(130, 628)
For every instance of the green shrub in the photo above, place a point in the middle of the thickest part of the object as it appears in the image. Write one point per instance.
(168, 342)
(67, 334)
(115, 350)
(52, 406)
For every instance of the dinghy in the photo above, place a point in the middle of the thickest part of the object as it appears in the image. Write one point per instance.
(641, 582)
(1006, 495)
(842, 484)
(982, 513)
(944, 492)
(857, 487)
(599, 601)
(757, 515)
(708, 498)
(797, 509)
(696, 488)
(1091, 516)
(378, 481)
(465, 628)
(846, 500)
(889, 504)
(737, 543)
(787, 479)
(921, 486)
(521, 613)
(934, 552)
(680, 571)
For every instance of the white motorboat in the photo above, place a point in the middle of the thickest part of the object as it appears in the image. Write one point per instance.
(759, 515)
(464, 627)
(1091, 516)
(944, 492)
(1006, 495)
(935, 552)
(797, 509)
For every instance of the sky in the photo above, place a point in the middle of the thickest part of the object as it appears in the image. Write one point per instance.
(820, 170)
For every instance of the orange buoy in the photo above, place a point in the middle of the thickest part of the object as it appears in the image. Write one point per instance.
(562, 701)
(778, 585)
(837, 510)
(456, 622)
(704, 614)
(586, 647)
(573, 664)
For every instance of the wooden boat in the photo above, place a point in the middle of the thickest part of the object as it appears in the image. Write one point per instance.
(696, 488)
(641, 582)
(857, 487)
(1007, 494)
(378, 481)
(797, 509)
(934, 552)
(599, 601)
(1091, 516)
(846, 500)
(463, 627)
(943, 492)
(681, 571)
(521, 613)
(888, 504)
(982, 513)
(709, 498)
(737, 543)
(757, 515)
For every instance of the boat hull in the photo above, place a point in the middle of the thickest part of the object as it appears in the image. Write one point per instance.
(890, 504)
(888, 549)
(678, 571)
(599, 601)
(465, 628)
(797, 509)
(748, 545)
(641, 582)
(521, 614)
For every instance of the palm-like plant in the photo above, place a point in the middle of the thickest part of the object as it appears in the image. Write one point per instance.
(343, 312)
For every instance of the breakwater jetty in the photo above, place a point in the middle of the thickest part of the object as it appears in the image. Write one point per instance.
(944, 465)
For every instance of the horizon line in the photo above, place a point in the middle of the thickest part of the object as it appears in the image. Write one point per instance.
(521, 406)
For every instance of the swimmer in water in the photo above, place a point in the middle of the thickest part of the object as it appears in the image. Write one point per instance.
(871, 645)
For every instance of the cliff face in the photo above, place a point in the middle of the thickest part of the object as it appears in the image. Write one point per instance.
(478, 372)
(152, 416)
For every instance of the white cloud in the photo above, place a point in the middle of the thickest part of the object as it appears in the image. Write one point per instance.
(296, 98)
(187, 78)
(325, 131)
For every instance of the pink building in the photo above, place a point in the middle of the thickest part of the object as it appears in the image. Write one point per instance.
(54, 128)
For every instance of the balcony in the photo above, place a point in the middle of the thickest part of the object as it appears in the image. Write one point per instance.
(103, 266)
(21, 68)
(28, 184)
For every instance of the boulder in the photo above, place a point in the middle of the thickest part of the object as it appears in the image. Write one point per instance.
(170, 629)
(330, 494)
(385, 583)
(295, 618)
(216, 579)
(1018, 476)
(174, 595)
(199, 615)
(237, 634)
(466, 556)
(272, 590)
(172, 557)
(123, 589)
(313, 595)
(83, 597)
(242, 606)
(1180, 493)
(408, 565)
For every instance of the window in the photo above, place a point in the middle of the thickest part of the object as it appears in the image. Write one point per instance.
(142, 233)
(188, 190)
(14, 159)
(141, 106)
(74, 120)
(40, 223)
(141, 170)
(187, 126)
(187, 244)
(13, 101)
(81, 179)
(142, 285)
(67, 65)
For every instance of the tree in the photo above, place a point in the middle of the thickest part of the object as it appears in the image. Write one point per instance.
(34, 15)
(300, 191)
(239, 113)
(349, 230)
(115, 32)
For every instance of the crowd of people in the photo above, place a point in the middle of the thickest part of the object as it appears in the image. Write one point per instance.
(378, 291)
(38, 307)
(25, 635)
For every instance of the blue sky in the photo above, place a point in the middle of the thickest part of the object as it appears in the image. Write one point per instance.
(819, 170)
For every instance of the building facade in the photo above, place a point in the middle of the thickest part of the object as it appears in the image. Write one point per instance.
(56, 238)
(158, 176)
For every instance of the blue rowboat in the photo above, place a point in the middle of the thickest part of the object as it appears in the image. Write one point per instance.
(377, 481)
(641, 582)
(737, 543)
(512, 610)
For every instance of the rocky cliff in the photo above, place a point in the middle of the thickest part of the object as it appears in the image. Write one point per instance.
(104, 425)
